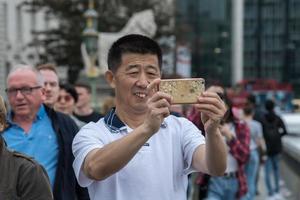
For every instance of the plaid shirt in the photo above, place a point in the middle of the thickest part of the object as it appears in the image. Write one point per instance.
(239, 149)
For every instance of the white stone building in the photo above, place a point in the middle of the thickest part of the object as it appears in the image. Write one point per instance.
(16, 38)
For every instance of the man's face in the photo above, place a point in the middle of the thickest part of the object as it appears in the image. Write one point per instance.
(24, 94)
(51, 86)
(84, 97)
(131, 80)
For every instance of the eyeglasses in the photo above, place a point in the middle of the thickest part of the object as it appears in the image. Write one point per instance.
(66, 98)
(23, 90)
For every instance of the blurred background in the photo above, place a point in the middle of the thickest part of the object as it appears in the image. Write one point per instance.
(249, 46)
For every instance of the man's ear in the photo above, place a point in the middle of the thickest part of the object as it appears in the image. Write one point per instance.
(110, 78)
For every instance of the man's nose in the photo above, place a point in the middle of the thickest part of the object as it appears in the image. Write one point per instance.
(143, 80)
(47, 86)
(19, 94)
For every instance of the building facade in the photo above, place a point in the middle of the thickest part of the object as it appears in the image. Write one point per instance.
(271, 39)
(205, 25)
(17, 26)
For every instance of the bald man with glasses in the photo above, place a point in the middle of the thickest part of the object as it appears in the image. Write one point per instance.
(40, 132)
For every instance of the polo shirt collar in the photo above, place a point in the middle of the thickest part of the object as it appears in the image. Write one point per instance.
(115, 125)
(113, 122)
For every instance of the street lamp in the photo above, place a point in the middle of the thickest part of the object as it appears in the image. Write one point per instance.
(90, 43)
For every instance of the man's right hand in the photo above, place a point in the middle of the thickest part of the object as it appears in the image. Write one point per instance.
(158, 107)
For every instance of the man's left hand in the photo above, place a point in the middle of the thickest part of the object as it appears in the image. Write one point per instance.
(212, 110)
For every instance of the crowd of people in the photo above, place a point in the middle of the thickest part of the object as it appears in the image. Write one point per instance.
(140, 146)
(257, 142)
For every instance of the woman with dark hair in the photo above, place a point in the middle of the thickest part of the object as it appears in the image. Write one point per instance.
(233, 184)
(66, 102)
(195, 116)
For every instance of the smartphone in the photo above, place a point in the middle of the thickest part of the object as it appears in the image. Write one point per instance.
(183, 91)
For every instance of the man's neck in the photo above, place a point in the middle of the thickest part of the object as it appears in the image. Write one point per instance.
(131, 119)
(83, 111)
(24, 122)
(248, 118)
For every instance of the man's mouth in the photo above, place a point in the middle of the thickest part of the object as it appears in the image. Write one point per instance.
(140, 95)
(20, 105)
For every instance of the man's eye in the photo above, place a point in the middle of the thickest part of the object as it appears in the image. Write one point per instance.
(13, 90)
(152, 74)
(26, 89)
(53, 84)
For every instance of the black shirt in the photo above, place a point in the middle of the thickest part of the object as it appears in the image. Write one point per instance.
(93, 117)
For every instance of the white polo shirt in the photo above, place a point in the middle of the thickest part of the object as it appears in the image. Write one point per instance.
(157, 172)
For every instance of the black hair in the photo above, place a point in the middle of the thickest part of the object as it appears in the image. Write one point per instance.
(84, 85)
(248, 110)
(229, 116)
(251, 99)
(47, 66)
(132, 43)
(69, 89)
(269, 105)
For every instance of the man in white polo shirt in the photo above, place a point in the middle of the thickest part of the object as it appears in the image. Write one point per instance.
(138, 150)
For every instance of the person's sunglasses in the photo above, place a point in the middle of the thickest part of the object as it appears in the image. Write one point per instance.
(66, 98)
